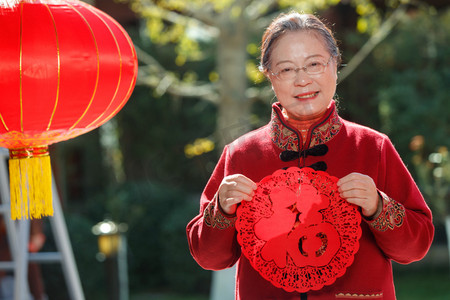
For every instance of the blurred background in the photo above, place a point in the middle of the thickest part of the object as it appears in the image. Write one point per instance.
(199, 88)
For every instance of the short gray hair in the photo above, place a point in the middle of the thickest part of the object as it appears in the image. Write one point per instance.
(294, 21)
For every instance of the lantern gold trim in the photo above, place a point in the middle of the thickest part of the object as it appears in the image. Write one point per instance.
(98, 66)
(58, 57)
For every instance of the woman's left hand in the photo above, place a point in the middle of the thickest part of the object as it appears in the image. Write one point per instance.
(360, 189)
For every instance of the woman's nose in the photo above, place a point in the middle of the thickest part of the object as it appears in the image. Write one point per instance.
(301, 78)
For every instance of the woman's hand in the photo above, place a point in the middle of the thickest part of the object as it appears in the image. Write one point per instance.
(360, 190)
(233, 190)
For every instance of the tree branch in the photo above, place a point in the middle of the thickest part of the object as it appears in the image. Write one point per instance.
(259, 8)
(162, 81)
(374, 40)
(254, 94)
(262, 22)
(203, 16)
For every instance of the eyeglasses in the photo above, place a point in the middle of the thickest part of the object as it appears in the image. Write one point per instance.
(314, 67)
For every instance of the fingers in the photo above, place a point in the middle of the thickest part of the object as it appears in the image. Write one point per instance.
(241, 184)
(235, 197)
(233, 190)
(360, 189)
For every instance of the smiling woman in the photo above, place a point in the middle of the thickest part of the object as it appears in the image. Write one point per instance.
(332, 175)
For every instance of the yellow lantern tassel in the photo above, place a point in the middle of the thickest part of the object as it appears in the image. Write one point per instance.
(30, 183)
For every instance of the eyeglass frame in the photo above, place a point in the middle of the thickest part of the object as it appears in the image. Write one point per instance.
(325, 65)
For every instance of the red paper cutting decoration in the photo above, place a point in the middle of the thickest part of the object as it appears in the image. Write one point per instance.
(297, 232)
(66, 68)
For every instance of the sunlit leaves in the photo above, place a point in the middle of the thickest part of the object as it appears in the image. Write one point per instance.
(190, 77)
(187, 49)
(220, 6)
(173, 4)
(252, 49)
(213, 76)
(161, 34)
(164, 25)
(253, 73)
(308, 6)
(235, 12)
(365, 8)
(369, 18)
(199, 147)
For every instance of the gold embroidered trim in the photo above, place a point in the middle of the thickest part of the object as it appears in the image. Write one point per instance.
(214, 218)
(391, 216)
(359, 296)
(286, 139)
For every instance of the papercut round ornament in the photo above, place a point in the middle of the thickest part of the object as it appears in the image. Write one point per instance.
(297, 231)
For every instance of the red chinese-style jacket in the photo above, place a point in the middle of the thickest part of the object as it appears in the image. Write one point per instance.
(403, 232)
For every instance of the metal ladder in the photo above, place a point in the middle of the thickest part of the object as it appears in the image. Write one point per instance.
(18, 233)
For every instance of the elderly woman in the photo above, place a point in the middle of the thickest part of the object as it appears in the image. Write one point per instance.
(300, 57)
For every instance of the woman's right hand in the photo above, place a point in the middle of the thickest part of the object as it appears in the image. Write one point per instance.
(233, 190)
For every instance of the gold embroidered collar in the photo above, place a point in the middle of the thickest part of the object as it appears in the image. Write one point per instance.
(286, 137)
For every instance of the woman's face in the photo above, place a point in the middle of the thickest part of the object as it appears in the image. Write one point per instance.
(304, 96)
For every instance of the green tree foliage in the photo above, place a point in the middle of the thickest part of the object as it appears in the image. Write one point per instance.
(413, 93)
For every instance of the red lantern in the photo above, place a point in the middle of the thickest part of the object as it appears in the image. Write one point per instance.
(65, 69)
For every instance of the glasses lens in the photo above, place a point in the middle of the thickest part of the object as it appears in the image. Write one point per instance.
(315, 67)
(287, 73)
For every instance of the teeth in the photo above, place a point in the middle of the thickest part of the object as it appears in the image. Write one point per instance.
(307, 96)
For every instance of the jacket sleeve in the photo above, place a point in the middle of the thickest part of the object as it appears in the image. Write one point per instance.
(211, 234)
(404, 229)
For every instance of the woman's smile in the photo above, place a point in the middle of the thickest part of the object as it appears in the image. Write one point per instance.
(307, 96)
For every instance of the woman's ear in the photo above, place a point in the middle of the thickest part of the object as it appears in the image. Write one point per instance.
(336, 70)
(335, 74)
(268, 78)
